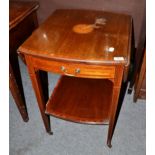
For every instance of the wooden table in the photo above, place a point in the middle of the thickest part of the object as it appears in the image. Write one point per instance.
(22, 21)
(91, 50)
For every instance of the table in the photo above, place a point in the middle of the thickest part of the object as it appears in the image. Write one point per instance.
(22, 22)
(91, 50)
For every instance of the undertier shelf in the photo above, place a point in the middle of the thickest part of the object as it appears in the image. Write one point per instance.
(81, 100)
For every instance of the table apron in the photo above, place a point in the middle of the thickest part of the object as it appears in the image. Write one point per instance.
(74, 69)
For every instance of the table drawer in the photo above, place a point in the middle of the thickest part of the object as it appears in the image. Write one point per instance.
(75, 69)
(82, 70)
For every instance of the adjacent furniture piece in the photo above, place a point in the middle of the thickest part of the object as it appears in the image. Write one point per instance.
(138, 53)
(140, 84)
(22, 21)
(91, 50)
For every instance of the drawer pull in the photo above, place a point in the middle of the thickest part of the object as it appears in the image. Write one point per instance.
(69, 74)
(63, 68)
(77, 70)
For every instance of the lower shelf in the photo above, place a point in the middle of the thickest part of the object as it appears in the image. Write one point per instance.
(81, 100)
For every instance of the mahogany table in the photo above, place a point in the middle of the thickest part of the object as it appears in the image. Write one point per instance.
(22, 22)
(91, 50)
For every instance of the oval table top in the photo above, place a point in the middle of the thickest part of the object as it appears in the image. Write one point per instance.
(83, 36)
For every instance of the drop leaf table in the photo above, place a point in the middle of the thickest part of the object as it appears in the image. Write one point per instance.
(91, 52)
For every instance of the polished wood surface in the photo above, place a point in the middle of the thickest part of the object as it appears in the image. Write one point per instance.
(18, 11)
(22, 21)
(56, 47)
(56, 39)
(39, 91)
(74, 100)
(15, 91)
(75, 69)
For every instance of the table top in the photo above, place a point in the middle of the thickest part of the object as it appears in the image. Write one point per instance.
(83, 36)
(19, 10)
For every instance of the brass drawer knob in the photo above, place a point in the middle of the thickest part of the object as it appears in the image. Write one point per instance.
(77, 70)
(63, 68)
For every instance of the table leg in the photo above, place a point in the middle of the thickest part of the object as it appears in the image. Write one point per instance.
(113, 115)
(14, 63)
(44, 82)
(115, 101)
(38, 88)
(17, 95)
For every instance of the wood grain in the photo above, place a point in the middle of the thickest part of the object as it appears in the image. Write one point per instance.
(39, 91)
(114, 105)
(89, 89)
(81, 100)
(22, 22)
(70, 68)
(55, 38)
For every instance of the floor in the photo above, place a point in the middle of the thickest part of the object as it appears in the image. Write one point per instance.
(72, 138)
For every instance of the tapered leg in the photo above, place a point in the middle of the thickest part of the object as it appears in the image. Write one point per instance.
(44, 83)
(38, 88)
(113, 115)
(14, 63)
(17, 95)
(114, 104)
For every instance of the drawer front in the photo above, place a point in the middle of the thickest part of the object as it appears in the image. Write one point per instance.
(75, 69)
(94, 71)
